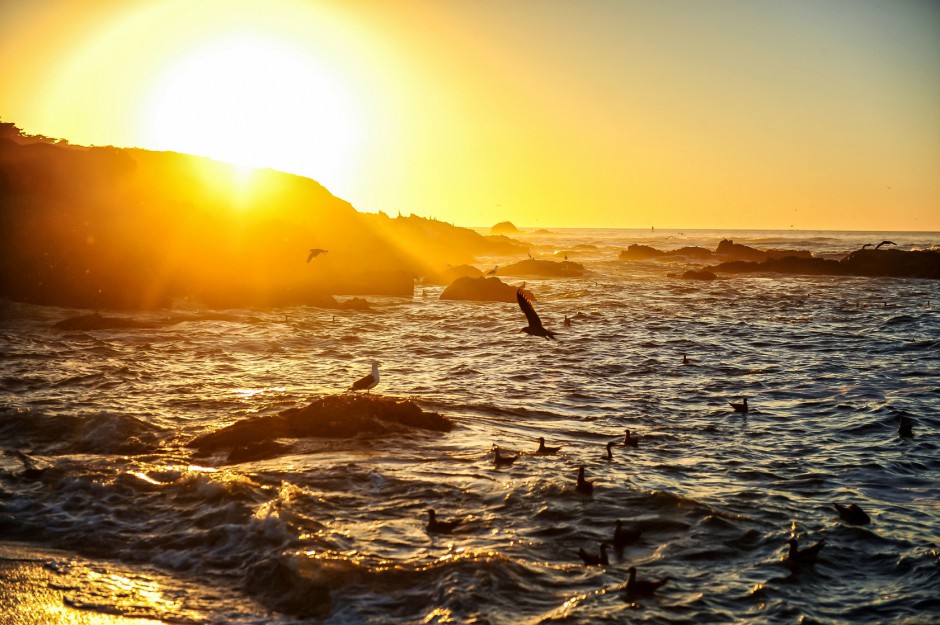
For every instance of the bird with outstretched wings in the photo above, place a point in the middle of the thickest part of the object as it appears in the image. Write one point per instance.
(535, 327)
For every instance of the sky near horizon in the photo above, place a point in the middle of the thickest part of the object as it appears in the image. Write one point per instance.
(806, 114)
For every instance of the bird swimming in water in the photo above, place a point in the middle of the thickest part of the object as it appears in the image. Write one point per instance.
(885, 243)
(502, 461)
(584, 487)
(566, 322)
(905, 427)
(641, 588)
(492, 272)
(624, 537)
(797, 557)
(630, 441)
(546, 451)
(440, 527)
(594, 560)
(610, 455)
(367, 382)
(314, 252)
(535, 324)
(742, 407)
(685, 359)
(852, 514)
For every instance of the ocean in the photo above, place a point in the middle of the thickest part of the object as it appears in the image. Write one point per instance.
(127, 520)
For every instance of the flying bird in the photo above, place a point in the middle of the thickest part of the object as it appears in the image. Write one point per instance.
(314, 252)
(535, 324)
(367, 382)
(885, 243)
(440, 527)
(546, 451)
(852, 514)
(742, 407)
(642, 588)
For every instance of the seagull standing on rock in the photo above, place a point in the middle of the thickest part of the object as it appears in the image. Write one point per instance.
(367, 382)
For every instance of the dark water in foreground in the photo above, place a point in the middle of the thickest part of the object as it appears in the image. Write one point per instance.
(828, 364)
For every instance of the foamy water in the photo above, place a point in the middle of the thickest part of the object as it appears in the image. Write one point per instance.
(828, 364)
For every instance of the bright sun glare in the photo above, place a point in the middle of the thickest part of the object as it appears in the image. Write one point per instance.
(257, 102)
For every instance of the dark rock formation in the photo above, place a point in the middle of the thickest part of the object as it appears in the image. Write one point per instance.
(640, 252)
(871, 263)
(333, 416)
(452, 273)
(727, 249)
(504, 227)
(543, 269)
(692, 274)
(94, 321)
(482, 290)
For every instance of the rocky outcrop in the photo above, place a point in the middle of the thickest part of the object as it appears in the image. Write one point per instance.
(504, 227)
(482, 290)
(870, 263)
(333, 416)
(727, 250)
(450, 274)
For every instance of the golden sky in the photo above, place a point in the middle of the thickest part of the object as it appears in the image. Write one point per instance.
(812, 114)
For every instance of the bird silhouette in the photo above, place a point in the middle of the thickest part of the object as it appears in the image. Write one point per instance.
(630, 441)
(852, 514)
(742, 407)
(566, 322)
(440, 527)
(610, 455)
(624, 536)
(641, 588)
(314, 252)
(367, 382)
(535, 327)
(546, 451)
(591, 559)
(885, 243)
(797, 557)
(492, 272)
(905, 427)
(584, 487)
(500, 460)
(685, 359)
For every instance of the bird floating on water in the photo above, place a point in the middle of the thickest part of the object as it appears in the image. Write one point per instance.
(742, 407)
(685, 359)
(591, 559)
(642, 587)
(535, 327)
(885, 243)
(630, 441)
(584, 487)
(905, 427)
(852, 514)
(500, 460)
(566, 322)
(610, 455)
(797, 557)
(624, 537)
(367, 382)
(314, 252)
(440, 527)
(546, 451)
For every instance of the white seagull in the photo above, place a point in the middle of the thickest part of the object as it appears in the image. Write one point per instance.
(367, 382)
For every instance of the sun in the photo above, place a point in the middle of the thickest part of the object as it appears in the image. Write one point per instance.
(259, 102)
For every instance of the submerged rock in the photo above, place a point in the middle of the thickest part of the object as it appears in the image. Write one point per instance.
(692, 274)
(481, 290)
(333, 416)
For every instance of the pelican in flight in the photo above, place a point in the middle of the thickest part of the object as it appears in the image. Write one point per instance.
(535, 327)
(367, 382)
(314, 252)
(885, 243)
